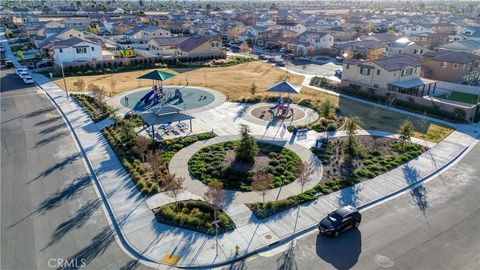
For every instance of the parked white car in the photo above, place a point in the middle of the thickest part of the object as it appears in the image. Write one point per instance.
(23, 74)
(28, 79)
(19, 71)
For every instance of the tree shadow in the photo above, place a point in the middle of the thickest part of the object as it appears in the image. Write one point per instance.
(64, 194)
(97, 247)
(48, 121)
(287, 260)
(130, 265)
(31, 114)
(57, 166)
(52, 128)
(50, 139)
(78, 220)
(418, 191)
(240, 265)
(341, 252)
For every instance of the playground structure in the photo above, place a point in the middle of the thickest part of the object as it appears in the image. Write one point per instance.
(282, 109)
(159, 93)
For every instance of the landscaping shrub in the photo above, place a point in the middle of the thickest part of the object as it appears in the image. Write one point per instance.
(194, 215)
(95, 108)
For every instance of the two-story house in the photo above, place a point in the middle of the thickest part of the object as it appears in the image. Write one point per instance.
(76, 49)
(429, 40)
(451, 66)
(143, 33)
(404, 45)
(399, 73)
(192, 46)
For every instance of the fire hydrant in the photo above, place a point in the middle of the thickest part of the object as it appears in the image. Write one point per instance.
(237, 250)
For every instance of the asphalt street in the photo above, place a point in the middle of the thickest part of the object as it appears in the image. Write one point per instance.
(51, 216)
(435, 226)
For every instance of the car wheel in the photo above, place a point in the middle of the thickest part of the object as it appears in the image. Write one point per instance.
(357, 224)
(335, 234)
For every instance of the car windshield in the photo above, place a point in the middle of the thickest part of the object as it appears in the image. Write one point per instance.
(334, 217)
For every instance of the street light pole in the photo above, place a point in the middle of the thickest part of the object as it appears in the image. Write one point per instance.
(64, 81)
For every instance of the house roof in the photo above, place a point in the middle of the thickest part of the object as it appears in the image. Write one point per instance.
(397, 62)
(451, 56)
(71, 42)
(169, 41)
(461, 45)
(193, 42)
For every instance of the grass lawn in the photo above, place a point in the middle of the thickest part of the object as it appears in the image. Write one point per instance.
(233, 81)
(382, 119)
(460, 97)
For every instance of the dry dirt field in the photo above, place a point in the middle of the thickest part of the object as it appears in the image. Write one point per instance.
(234, 81)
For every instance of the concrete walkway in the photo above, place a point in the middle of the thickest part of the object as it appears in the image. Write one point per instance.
(155, 241)
(179, 166)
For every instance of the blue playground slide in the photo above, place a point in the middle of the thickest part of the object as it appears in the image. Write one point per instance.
(156, 98)
(146, 98)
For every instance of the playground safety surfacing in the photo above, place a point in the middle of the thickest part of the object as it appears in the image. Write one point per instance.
(192, 98)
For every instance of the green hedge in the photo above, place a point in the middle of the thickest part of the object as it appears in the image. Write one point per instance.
(208, 166)
(194, 215)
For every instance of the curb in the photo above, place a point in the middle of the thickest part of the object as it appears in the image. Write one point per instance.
(141, 257)
(113, 220)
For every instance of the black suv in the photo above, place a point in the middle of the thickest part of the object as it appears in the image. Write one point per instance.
(340, 220)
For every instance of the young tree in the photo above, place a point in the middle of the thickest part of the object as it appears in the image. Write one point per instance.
(173, 186)
(20, 55)
(306, 169)
(351, 126)
(157, 166)
(97, 91)
(215, 195)
(141, 146)
(253, 89)
(405, 132)
(327, 109)
(128, 131)
(261, 183)
(248, 149)
(113, 83)
(79, 84)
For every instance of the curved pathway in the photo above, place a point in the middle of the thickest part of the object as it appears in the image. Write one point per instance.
(179, 166)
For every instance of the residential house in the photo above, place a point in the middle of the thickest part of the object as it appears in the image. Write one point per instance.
(399, 73)
(429, 40)
(53, 34)
(367, 49)
(445, 28)
(451, 66)
(383, 38)
(469, 46)
(295, 27)
(193, 46)
(79, 23)
(233, 29)
(265, 22)
(311, 43)
(76, 49)
(341, 33)
(143, 33)
(414, 29)
(404, 45)
(275, 38)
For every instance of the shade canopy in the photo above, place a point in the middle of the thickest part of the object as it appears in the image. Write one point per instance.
(153, 119)
(168, 109)
(157, 75)
(285, 87)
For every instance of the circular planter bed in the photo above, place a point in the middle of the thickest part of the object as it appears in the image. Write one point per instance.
(194, 215)
(216, 163)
